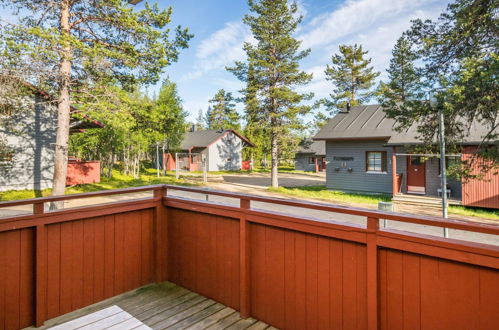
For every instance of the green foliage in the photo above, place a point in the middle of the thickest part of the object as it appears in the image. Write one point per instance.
(222, 113)
(352, 76)
(107, 41)
(133, 125)
(272, 73)
(459, 66)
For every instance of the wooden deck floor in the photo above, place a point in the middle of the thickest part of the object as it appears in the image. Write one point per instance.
(163, 306)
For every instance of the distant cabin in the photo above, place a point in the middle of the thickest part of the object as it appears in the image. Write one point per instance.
(311, 156)
(27, 142)
(366, 154)
(222, 149)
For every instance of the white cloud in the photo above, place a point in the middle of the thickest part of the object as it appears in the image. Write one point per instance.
(222, 48)
(355, 16)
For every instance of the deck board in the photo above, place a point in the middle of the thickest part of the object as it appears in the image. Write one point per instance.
(158, 306)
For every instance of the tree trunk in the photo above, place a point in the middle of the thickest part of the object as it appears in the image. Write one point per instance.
(63, 116)
(275, 160)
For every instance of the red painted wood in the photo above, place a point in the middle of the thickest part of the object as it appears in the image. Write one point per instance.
(80, 172)
(27, 278)
(17, 280)
(297, 280)
(431, 293)
(53, 270)
(96, 258)
(484, 192)
(302, 274)
(203, 252)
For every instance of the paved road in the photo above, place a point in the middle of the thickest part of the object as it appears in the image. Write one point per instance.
(262, 180)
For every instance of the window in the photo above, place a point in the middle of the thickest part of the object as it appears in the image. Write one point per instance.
(311, 160)
(450, 162)
(376, 161)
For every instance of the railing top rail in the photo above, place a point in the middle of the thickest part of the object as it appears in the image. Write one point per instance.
(417, 219)
(80, 195)
(411, 218)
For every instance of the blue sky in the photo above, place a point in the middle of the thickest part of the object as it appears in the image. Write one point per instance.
(219, 34)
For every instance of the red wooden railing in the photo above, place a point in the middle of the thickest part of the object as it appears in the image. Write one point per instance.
(287, 270)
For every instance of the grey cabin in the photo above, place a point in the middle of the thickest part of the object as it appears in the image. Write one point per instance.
(311, 156)
(222, 150)
(366, 154)
(28, 125)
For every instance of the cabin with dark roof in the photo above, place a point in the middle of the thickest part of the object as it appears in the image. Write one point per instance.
(311, 157)
(221, 149)
(366, 154)
(28, 123)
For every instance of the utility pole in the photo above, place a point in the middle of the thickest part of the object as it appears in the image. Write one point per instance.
(157, 159)
(443, 170)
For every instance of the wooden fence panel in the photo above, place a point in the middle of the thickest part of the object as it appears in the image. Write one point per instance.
(17, 278)
(421, 292)
(94, 259)
(203, 254)
(305, 281)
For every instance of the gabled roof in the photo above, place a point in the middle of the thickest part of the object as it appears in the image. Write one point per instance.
(204, 138)
(369, 122)
(309, 146)
(77, 124)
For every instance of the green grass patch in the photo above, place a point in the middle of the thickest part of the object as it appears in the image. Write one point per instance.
(118, 181)
(474, 212)
(321, 192)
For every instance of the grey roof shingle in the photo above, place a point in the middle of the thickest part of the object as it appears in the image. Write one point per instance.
(366, 122)
(309, 146)
(204, 138)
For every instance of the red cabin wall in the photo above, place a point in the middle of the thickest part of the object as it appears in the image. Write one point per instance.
(83, 172)
(480, 193)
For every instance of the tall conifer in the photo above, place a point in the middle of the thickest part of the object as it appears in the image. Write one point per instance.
(274, 62)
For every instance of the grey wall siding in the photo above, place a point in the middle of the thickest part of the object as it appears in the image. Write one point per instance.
(226, 154)
(358, 180)
(433, 180)
(361, 181)
(301, 162)
(30, 132)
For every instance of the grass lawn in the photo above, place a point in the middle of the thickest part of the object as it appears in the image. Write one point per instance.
(320, 192)
(116, 182)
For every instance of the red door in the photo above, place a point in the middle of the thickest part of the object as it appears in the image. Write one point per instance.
(323, 164)
(416, 175)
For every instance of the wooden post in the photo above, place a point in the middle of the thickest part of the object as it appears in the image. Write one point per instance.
(244, 251)
(394, 171)
(372, 274)
(41, 269)
(160, 237)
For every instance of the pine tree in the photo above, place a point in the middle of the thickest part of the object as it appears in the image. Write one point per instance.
(274, 62)
(352, 76)
(403, 79)
(257, 128)
(75, 48)
(222, 114)
(200, 120)
(404, 86)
